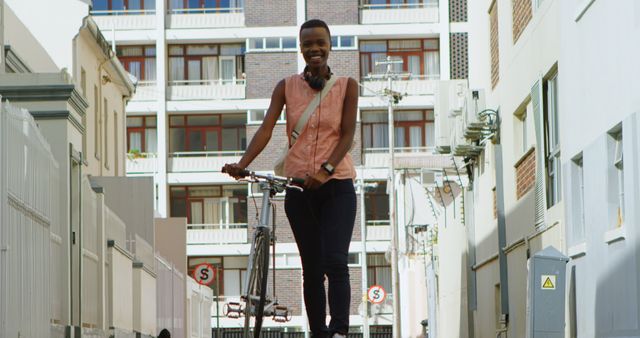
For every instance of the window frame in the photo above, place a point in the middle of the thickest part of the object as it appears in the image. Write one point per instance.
(127, 60)
(403, 53)
(366, 127)
(125, 7)
(143, 130)
(218, 128)
(552, 140)
(186, 57)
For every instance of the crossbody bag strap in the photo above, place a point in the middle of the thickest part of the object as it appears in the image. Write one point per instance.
(310, 108)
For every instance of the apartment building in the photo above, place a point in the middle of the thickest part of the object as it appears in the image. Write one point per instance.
(205, 72)
(600, 166)
(513, 151)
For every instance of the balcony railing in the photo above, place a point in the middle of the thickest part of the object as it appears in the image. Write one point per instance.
(145, 91)
(142, 163)
(379, 157)
(378, 230)
(206, 17)
(231, 233)
(125, 19)
(207, 89)
(410, 85)
(200, 161)
(399, 13)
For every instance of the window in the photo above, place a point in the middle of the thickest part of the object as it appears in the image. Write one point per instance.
(219, 206)
(521, 129)
(119, 7)
(552, 140)
(205, 64)
(379, 271)
(96, 123)
(493, 44)
(617, 168)
(256, 116)
(343, 42)
(206, 6)
(140, 61)
(142, 134)
(377, 204)
(105, 133)
(221, 132)
(577, 186)
(413, 129)
(272, 44)
(420, 58)
(83, 88)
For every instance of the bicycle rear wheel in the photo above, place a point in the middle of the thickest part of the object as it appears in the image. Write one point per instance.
(257, 290)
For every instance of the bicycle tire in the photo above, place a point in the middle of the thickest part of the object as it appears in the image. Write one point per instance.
(257, 283)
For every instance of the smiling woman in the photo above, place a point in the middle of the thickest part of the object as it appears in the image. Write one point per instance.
(321, 118)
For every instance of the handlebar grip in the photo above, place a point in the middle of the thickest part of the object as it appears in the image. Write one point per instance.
(298, 181)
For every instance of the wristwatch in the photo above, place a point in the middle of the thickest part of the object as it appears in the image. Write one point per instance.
(328, 167)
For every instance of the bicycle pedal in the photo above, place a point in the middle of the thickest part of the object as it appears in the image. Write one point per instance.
(281, 314)
(232, 310)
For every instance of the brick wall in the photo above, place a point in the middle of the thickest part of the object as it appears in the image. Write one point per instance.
(333, 12)
(525, 173)
(355, 276)
(288, 289)
(458, 10)
(459, 55)
(260, 13)
(345, 63)
(272, 151)
(521, 16)
(265, 70)
(493, 41)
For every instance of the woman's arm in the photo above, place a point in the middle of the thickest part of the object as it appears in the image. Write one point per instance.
(347, 131)
(263, 135)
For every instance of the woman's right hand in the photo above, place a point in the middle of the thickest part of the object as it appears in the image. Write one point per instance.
(234, 170)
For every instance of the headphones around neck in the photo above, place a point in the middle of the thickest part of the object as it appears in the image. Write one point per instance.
(315, 82)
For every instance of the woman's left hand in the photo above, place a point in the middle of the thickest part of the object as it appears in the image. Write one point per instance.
(314, 182)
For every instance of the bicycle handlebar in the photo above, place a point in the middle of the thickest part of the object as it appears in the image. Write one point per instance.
(285, 181)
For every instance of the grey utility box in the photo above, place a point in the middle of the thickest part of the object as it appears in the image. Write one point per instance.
(546, 294)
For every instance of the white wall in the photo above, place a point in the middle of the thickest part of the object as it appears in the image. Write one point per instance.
(43, 15)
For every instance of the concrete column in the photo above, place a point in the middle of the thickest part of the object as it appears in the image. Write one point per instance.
(160, 178)
(445, 45)
(301, 17)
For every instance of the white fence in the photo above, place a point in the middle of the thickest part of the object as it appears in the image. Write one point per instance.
(29, 188)
(170, 300)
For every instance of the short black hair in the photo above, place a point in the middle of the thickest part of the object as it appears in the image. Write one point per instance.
(315, 23)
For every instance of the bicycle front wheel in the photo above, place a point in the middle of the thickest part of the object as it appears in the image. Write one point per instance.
(257, 287)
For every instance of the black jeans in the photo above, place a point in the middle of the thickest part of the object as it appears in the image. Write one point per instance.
(322, 222)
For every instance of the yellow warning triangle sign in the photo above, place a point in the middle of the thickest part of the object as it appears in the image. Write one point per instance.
(548, 284)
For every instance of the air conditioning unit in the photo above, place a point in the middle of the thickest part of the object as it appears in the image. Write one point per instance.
(457, 98)
(476, 104)
(441, 116)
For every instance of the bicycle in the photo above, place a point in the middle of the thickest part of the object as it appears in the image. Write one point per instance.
(257, 302)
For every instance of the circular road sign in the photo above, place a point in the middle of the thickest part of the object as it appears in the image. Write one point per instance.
(376, 294)
(204, 274)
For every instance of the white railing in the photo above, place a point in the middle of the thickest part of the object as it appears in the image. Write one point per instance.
(378, 230)
(206, 89)
(124, 19)
(142, 163)
(410, 85)
(206, 17)
(145, 91)
(379, 157)
(217, 233)
(198, 161)
(399, 13)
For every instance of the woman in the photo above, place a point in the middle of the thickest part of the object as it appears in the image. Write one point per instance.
(322, 217)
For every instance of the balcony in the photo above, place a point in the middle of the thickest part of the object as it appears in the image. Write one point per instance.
(378, 230)
(399, 13)
(145, 91)
(206, 18)
(413, 85)
(142, 163)
(125, 19)
(403, 156)
(206, 89)
(233, 233)
(201, 161)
